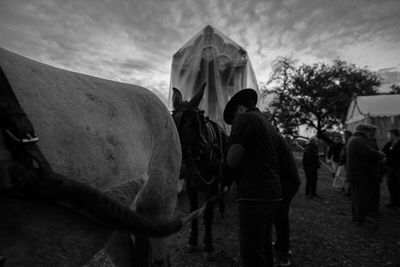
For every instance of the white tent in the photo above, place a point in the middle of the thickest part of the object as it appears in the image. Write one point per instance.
(381, 110)
(213, 58)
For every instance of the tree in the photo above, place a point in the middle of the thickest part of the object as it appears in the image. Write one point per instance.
(394, 89)
(277, 100)
(316, 95)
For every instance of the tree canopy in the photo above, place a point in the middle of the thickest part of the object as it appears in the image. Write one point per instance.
(316, 95)
(394, 89)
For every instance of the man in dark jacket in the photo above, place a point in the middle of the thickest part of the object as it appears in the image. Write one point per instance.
(253, 156)
(290, 183)
(362, 169)
(392, 152)
(310, 166)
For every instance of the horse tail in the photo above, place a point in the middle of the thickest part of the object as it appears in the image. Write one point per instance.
(91, 203)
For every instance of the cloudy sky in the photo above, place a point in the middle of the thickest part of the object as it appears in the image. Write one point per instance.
(133, 41)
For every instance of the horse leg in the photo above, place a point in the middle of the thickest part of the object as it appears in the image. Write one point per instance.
(193, 198)
(221, 204)
(222, 207)
(142, 249)
(156, 200)
(208, 221)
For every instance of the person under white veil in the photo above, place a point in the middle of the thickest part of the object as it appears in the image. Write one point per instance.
(211, 57)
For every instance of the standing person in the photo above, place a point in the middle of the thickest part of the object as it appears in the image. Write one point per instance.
(342, 163)
(253, 160)
(362, 164)
(310, 166)
(392, 152)
(290, 183)
(375, 189)
(334, 152)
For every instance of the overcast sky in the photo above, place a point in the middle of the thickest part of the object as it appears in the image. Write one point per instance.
(133, 41)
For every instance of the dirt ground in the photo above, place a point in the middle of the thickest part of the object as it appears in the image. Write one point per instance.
(321, 233)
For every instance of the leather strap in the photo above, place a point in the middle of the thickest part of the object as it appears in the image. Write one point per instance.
(18, 129)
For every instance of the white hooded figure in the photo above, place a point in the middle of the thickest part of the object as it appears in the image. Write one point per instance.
(211, 57)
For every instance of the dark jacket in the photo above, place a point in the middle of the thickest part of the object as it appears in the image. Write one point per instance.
(342, 157)
(334, 152)
(257, 176)
(363, 159)
(310, 157)
(290, 180)
(392, 153)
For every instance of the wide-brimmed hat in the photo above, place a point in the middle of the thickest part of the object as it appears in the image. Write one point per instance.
(365, 127)
(246, 96)
(395, 131)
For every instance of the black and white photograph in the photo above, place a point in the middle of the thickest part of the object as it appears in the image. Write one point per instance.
(209, 133)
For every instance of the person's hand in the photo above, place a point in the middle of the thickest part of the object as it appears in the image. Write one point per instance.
(381, 154)
(194, 215)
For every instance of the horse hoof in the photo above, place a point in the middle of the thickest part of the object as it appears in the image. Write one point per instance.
(209, 256)
(191, 249)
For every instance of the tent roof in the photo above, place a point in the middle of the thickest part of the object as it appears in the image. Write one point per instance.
(373, 106)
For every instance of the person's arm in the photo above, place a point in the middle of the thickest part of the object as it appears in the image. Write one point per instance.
(316, 157)
(240, 135)
(233, 159)
(330, 152)
(367, 152)
(288, 169)
(323, 137)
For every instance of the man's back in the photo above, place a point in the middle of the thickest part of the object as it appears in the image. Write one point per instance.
(310, 157)
(362, 159)
(258, 177)
(392, 152)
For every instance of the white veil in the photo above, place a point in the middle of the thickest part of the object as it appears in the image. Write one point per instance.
(211, 57)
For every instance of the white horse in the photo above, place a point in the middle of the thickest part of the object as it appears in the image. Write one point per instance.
(115, 137)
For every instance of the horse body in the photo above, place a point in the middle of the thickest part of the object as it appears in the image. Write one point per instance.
(203, 145)
(116, 137)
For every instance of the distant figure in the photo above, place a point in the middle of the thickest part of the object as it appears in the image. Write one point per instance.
(342, 164)
(375, 189)
(392, 152)
(310, 166)
(362, 169)
(334, 152)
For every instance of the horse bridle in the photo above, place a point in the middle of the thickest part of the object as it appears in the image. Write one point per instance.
(190, 149)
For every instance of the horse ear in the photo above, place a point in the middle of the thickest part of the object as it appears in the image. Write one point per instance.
(195, 101)
(176, 98)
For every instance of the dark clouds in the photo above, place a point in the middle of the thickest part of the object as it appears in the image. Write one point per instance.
(133, 41)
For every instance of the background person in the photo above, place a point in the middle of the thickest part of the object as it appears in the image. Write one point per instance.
(310, 166)
(362, 164)
(334, 152)
(392, 152)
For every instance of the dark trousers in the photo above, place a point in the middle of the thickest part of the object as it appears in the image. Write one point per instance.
(255, 230)
(311, 183)
(360, 199)
(393, 183)
(282, 226)
(375, 195)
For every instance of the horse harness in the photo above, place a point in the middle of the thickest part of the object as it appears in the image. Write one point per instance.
(19, 136)
(210, 141)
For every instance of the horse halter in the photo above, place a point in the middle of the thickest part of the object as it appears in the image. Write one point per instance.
(191, 149)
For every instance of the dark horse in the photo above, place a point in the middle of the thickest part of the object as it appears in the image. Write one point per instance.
(203, 144)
